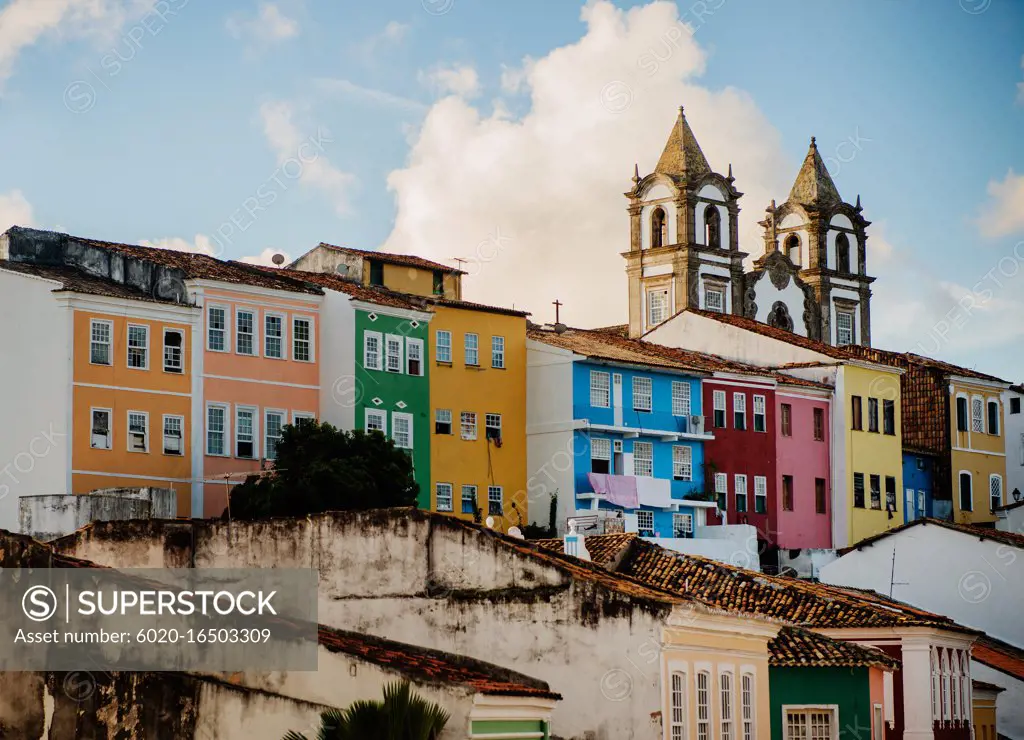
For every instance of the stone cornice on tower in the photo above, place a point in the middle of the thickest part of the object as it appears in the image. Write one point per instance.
(682, 158)
(813, 186)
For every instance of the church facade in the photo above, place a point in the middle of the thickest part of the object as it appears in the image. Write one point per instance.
(684, 250)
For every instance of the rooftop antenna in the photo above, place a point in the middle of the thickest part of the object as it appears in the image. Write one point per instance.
(558, 305)
(459, 261)
(892, 575)
(278, 259)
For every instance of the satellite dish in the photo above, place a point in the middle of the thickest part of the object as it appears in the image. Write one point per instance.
(515, 532)
(278, 259)
(341, 270)
(490, 522)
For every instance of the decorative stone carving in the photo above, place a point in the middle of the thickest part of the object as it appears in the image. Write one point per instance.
(778, 273)
(779, 316)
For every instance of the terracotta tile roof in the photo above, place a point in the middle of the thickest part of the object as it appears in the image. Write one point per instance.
(1013, 539)
(358, 291)
(73, 280)
(984, 686)
(794, 647)
(602, 548)
(999, 655)
(409, 260)
(433, 666)
(470, 306)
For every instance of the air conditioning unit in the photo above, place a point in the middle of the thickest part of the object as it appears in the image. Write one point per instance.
(617, 445)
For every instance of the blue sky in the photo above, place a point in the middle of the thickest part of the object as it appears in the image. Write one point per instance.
(468, 128)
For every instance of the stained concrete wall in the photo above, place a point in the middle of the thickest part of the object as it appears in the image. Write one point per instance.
(47, 517)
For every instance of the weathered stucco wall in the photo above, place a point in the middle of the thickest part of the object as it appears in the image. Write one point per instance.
(50, 516)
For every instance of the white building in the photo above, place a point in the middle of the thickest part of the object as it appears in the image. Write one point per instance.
(1013, 402)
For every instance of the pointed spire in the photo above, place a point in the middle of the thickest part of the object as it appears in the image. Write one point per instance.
(636, 173)
(730, 178)
(682, 157)
(814, 186)
(858, 206)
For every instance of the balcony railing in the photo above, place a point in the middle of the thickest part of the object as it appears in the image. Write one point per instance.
(658, 423)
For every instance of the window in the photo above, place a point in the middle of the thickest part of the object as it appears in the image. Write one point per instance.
(787, 493)
(872, 414)
(677, 707)
(469, 499)
(443, 492)
(810, 724)
(858, 422)
(217, 329)
(844, 328)
(444, 346)
(1015, 405)
(414, 356)
(759, 415)
(703, 706)
(682, 525)
(659, 230)
(302, 339)
(492, 426)
(977, 414)
(725, 704)
(718, 401)
(273, 423)
(401, 430)
(713, 228)
(645, 522)
(216, 429)
(472, 349)
(877, 722)
(680, 398)
(721, 490)
(443, 421)
(371, 350)
(495, 502)
(245, 432)
(792, 248)
(876, 491)
(102, 438)
(438, 282)
(739, 410)
(787, 420)
(995, 487)
(245, 332)
(889, 417)
(740, 486)
(682, 463)
(858, 490)
(843, 253)
(174, 435)
(273, 336)
(173, 358)
(100, 343)
(376, 421)
(714, 298)
(468, 423)
(498, 352)
(393, 353)
(993, 417)
(961, 413)
(747, 706)
(600, 455)
(657, 306)
(936, 678)
(890, 493)
(819, 496)
(600, 389)
(376, 272)
(760, 494)
(643, 459)
(641, 394)
(138, 431)
(138, 346)
(819, 424)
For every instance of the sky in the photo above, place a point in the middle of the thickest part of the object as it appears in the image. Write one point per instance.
(505, 134)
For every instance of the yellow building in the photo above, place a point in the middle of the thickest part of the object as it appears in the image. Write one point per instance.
(984, 709)
(977, 448)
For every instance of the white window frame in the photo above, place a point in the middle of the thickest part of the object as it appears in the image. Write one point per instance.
(702, 704)
(467, 349)
(437, 495)
(495, 501)
(444, 346)
(682, 522)
(164, 331)
(601, 449)
(181, 427)
(761, 492)
(644, 517)
(842, 313)
(110, 427)
(716, 290)
(129, 348)
(128, 427)
(226, 410)
(726, 706)
(739, 406)
(267, 336)
(678, 696)
(267, 413)
(210, 307)
(680, 398)
(467, 430)
(397, 416)
(760, 412)
(296, 318)
(492, 421)
(657, 314)
(298, 416)
(414, 346)
(643, 393)
(682, 462)
(977, 415)
(380, 414)
(254, 434)
(832, 709)
(603, 386)
(378, 362)
(498, 352)
(394, 349)
(722, 483)
(253, 335)
(648, 470)
(739, 485)
(474, 501)
(109, 344)
(992, 479)
(748, 706)
(439, 415)
(718, 404)
(999, 417)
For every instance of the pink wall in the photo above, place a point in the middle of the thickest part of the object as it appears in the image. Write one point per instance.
(804, 458)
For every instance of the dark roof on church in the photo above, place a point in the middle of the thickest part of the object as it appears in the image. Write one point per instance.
(813, 186)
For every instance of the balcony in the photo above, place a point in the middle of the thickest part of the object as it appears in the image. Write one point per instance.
(632, 424)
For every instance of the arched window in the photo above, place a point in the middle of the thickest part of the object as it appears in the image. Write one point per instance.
(659, 228)
(965, 686)
(792, 248)
(944, 663)
(712, 226)
(936, 679)
(954, 687)
(843, 253)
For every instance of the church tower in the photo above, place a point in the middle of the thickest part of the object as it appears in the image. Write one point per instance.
(684, 243)
(823, 239)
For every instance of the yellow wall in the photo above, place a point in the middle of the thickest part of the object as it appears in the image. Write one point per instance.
(984, 718)
(980, 453)
(872, 453)
(716, 644)
(414, 280)
(482, 390)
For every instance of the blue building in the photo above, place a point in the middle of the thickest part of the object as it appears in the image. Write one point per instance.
(919, 488)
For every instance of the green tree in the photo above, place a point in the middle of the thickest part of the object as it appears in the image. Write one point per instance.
(322, 468)
(401, 715)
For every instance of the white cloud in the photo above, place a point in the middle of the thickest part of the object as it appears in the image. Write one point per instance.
(514, 79)
(268, 26)
(460, 79)
(314, 169)
(14, 210)
(1004, 213)
(202, 244)
(370, 47)
(266, 258)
